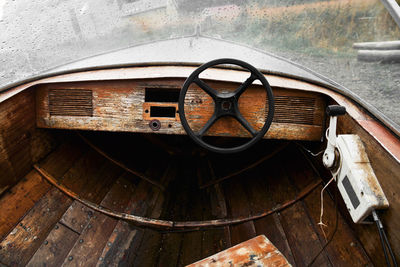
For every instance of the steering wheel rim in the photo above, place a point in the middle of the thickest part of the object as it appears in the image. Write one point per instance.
(226, 104)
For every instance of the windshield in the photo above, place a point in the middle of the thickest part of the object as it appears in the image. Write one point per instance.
(39, 35)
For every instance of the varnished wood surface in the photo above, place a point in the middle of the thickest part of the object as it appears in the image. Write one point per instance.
(95, 239)
(121, 106)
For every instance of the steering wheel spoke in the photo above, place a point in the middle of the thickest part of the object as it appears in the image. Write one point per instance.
(206, 88)
(239, 117)
(245, 85)
(207, 126)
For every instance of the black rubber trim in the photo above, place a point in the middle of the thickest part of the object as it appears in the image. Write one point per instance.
(335, 110)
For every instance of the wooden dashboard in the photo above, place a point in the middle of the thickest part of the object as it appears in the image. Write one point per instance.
(151, 106)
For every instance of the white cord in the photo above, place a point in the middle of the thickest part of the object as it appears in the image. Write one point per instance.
(310, 152)
(334, 175)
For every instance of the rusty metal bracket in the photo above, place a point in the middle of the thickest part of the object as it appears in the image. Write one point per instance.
(172, 225)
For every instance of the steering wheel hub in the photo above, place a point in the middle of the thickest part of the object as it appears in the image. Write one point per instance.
(226, 105)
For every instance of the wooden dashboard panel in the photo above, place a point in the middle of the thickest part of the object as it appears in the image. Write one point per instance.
(134, 105)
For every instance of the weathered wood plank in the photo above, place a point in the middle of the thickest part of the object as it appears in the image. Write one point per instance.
(126, 239)
(23, 196)
(119, 105)
(56, 246)
(88, 248)
(300, 233)
(147, 255)
(15, 203)
(17, 122)
(115, 245)
(387, 169)
(258, 251)
(77, 216)
(344, 249)
(192, 241)
(213, 240)
(21, 144)
(259, 192)
(49, 209)
(178, 208)
(23, 241)
(238, 206)
(91, 177)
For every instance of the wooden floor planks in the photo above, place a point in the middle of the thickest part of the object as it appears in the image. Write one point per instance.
(22, 197)
(260, 201)
(125, 240)
(88, 248)
(55, 248)
(50, 229)
(23, 241)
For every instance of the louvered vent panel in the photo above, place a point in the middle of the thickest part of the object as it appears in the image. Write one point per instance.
(70, 102)
(294, 109)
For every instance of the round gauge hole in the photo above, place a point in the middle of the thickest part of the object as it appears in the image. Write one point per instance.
(155, 125)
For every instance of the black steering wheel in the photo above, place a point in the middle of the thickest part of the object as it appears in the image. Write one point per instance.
(226, 104)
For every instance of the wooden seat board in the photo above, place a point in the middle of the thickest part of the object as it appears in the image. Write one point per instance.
(258, 251)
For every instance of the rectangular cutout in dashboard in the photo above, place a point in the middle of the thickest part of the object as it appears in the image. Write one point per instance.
(163, 95)
(162, 112)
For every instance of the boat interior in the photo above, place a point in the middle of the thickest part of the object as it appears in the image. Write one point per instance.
(78, 154)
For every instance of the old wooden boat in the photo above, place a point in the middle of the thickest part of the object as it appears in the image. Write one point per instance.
(136, 158)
